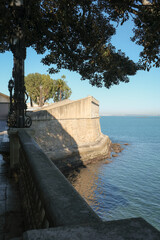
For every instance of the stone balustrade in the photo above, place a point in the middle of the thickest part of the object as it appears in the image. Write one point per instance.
(48, 198)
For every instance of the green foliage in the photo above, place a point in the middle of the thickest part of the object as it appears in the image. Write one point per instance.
(42, 86)
(147, 34)
(61, 90)
(146, 17)
(36, 82)
(76, 35)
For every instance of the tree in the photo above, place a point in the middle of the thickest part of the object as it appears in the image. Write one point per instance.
(76, 35)
(146, 17)
(147, 34)
(39, 87)
(61, 90)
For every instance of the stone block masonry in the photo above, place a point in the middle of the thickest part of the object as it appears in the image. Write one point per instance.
(70, 134)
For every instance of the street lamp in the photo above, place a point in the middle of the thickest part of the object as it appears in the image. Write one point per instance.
(10, 88)
(11, 118)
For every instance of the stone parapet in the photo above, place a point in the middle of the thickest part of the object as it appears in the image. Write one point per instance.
(14, 145)
(49, 200)
(84, 108)
(134, 229)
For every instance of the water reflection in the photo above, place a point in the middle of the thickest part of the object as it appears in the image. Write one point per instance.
(85, 181)
(96, 189)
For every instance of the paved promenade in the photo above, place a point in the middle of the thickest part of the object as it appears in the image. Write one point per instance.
(11, 225)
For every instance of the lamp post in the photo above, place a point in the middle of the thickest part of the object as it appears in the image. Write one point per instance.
(10, 88)
(19, 53)
(11, 116)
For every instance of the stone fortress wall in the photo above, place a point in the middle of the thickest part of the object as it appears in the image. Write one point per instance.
(69, 132)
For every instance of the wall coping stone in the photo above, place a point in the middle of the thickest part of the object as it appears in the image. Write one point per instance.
(134, 228)
(67, 102)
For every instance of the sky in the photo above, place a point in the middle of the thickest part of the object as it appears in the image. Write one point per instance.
(140, 96)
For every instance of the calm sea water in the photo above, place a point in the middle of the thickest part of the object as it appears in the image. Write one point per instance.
(129, 186)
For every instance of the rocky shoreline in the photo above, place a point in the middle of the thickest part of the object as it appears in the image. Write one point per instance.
(69, 164)
(114, 150)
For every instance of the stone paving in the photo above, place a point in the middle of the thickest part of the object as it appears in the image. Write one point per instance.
(11, 224)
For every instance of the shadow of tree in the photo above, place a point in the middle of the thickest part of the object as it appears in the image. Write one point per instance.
(56, 142)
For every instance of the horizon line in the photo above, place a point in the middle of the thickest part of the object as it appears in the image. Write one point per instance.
(127, 115)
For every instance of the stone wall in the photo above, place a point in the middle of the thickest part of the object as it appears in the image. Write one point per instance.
(84, 108)
(48, 199)
(69, 132)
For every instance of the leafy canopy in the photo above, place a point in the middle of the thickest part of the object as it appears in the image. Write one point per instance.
(146, 17)
(61, 90)
(36, 82)
(76, 35)
(42, 86)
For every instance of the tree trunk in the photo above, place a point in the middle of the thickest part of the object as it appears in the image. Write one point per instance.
(19, 97)
(31, 102)
(60, 94)
(40, 97)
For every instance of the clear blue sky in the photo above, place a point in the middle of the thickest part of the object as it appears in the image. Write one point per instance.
(139, 96)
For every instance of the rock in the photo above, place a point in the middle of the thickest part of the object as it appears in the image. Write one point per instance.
(114, 155)
(107, 161)
(126, 144)
(116, 147)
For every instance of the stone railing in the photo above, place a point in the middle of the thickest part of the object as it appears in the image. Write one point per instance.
(49, 200)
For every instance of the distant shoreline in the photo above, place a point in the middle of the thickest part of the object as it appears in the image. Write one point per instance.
(145, 116)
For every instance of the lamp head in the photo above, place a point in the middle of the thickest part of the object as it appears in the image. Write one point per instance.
(11, 84)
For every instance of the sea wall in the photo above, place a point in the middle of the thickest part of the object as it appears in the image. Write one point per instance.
(69, 132)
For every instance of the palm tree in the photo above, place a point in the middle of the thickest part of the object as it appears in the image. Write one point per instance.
(61, 90)
(60, 87)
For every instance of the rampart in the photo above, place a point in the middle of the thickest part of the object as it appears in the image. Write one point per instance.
(69, 132)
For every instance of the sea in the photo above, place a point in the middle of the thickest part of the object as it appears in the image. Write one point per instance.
(129, 185)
